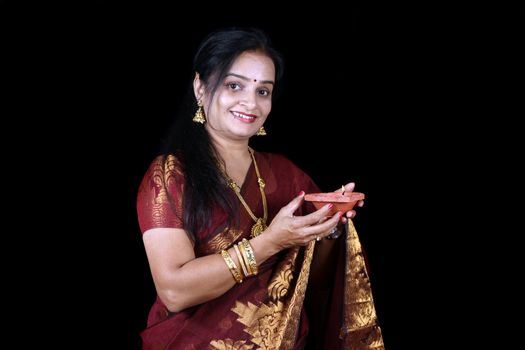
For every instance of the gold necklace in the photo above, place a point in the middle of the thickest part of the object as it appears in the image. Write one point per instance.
(260, 223)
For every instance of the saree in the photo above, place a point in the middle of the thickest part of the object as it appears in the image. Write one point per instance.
(266, 311)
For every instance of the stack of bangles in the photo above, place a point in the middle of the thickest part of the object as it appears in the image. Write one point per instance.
(246, 258)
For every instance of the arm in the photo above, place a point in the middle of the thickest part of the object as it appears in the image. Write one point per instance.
(182, 280)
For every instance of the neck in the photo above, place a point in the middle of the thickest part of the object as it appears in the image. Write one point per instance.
(232, 152)
(235, 158)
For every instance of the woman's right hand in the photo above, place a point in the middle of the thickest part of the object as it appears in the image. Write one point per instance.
(287, 230)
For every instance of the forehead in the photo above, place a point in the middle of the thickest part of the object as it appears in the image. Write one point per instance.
(254, 65)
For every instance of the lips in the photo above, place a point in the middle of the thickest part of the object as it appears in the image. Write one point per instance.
(247, 118)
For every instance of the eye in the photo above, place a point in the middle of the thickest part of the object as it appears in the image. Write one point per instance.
(265, 92)
(233, 86)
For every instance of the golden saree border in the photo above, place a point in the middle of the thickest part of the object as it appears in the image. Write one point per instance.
(223, 240)
(293, 312)
(274, 325)
(360, 330)
(229, 344)
(283, 276)
(163, 173)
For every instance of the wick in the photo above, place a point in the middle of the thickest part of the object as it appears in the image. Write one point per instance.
(254, 80)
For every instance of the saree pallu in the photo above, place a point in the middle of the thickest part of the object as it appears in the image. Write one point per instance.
(265, 311)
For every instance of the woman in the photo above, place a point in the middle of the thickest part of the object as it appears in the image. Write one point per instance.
(228, 236)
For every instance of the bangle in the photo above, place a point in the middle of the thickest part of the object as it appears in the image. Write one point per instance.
(231, 265)
(334, 233)
(249, 256)
(245, 259)
(241, 260)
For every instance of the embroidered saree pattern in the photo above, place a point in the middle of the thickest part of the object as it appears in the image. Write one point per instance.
(273, 326)
(360, 329)
(265, 311)
(161, 174)
(155, 209)
(229, 344)
(223, 240)
(291, 319)
(283, 276)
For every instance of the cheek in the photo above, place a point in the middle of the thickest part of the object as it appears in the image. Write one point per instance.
(225, 101)
(266, 107)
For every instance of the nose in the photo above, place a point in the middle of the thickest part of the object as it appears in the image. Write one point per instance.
(249, 99)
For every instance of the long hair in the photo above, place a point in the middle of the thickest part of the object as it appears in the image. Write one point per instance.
(204, 187)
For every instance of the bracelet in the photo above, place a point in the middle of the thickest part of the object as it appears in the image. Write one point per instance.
(249, 256)
(231, 265)
(241, 260)
(334, 233)
(245, 259)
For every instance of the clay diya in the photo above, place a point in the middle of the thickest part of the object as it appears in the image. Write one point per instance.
(342, 201)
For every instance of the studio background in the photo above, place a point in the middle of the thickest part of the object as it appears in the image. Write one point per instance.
(348, 95)
(372, 94)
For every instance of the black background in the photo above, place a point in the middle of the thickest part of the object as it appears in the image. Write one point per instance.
(380, 94)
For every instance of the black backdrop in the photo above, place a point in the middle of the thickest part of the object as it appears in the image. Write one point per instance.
(373, 94)
(348, 99)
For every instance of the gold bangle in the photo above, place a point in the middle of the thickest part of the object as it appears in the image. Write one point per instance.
(244, 257)
(250, 256)
(231, 265)
(241, 260)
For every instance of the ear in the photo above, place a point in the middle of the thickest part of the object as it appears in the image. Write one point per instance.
(198, 87)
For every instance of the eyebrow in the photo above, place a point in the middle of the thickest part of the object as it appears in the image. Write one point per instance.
(248, 79)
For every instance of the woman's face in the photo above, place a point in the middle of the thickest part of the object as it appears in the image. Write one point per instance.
(244, 99)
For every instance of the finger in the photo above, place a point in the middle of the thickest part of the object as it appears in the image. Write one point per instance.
(323, 230)
(323, 219)
(291, 207)
(320, 215)
(350, 214)
(360, 203)
(313, 218)
(349, 187)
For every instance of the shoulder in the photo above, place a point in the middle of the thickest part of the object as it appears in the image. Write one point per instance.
(163, 171)
(159, 199)
(165, 163)
(165, 166)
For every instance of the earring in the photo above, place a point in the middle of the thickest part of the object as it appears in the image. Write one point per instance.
(261, 132)
(199, 116)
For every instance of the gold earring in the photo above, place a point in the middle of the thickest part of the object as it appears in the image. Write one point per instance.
(261, 132)
(199, 116)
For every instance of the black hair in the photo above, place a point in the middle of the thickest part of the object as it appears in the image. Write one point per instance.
(205, 188)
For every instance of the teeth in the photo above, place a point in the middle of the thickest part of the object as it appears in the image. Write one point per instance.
(239, 115)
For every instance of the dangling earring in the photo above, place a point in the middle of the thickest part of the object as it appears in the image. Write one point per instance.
(261, 132)
(199, 115)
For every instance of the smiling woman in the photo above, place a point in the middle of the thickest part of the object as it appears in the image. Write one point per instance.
(234, 249)
(245, 94)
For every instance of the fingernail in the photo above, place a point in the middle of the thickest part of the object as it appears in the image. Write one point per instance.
(330, 205)
(300, 194)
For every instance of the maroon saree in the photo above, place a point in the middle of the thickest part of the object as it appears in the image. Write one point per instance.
(265, 311)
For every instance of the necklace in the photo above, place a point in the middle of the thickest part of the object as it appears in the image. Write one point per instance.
(260, 223)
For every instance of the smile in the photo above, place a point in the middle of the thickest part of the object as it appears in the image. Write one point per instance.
(244, 116)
